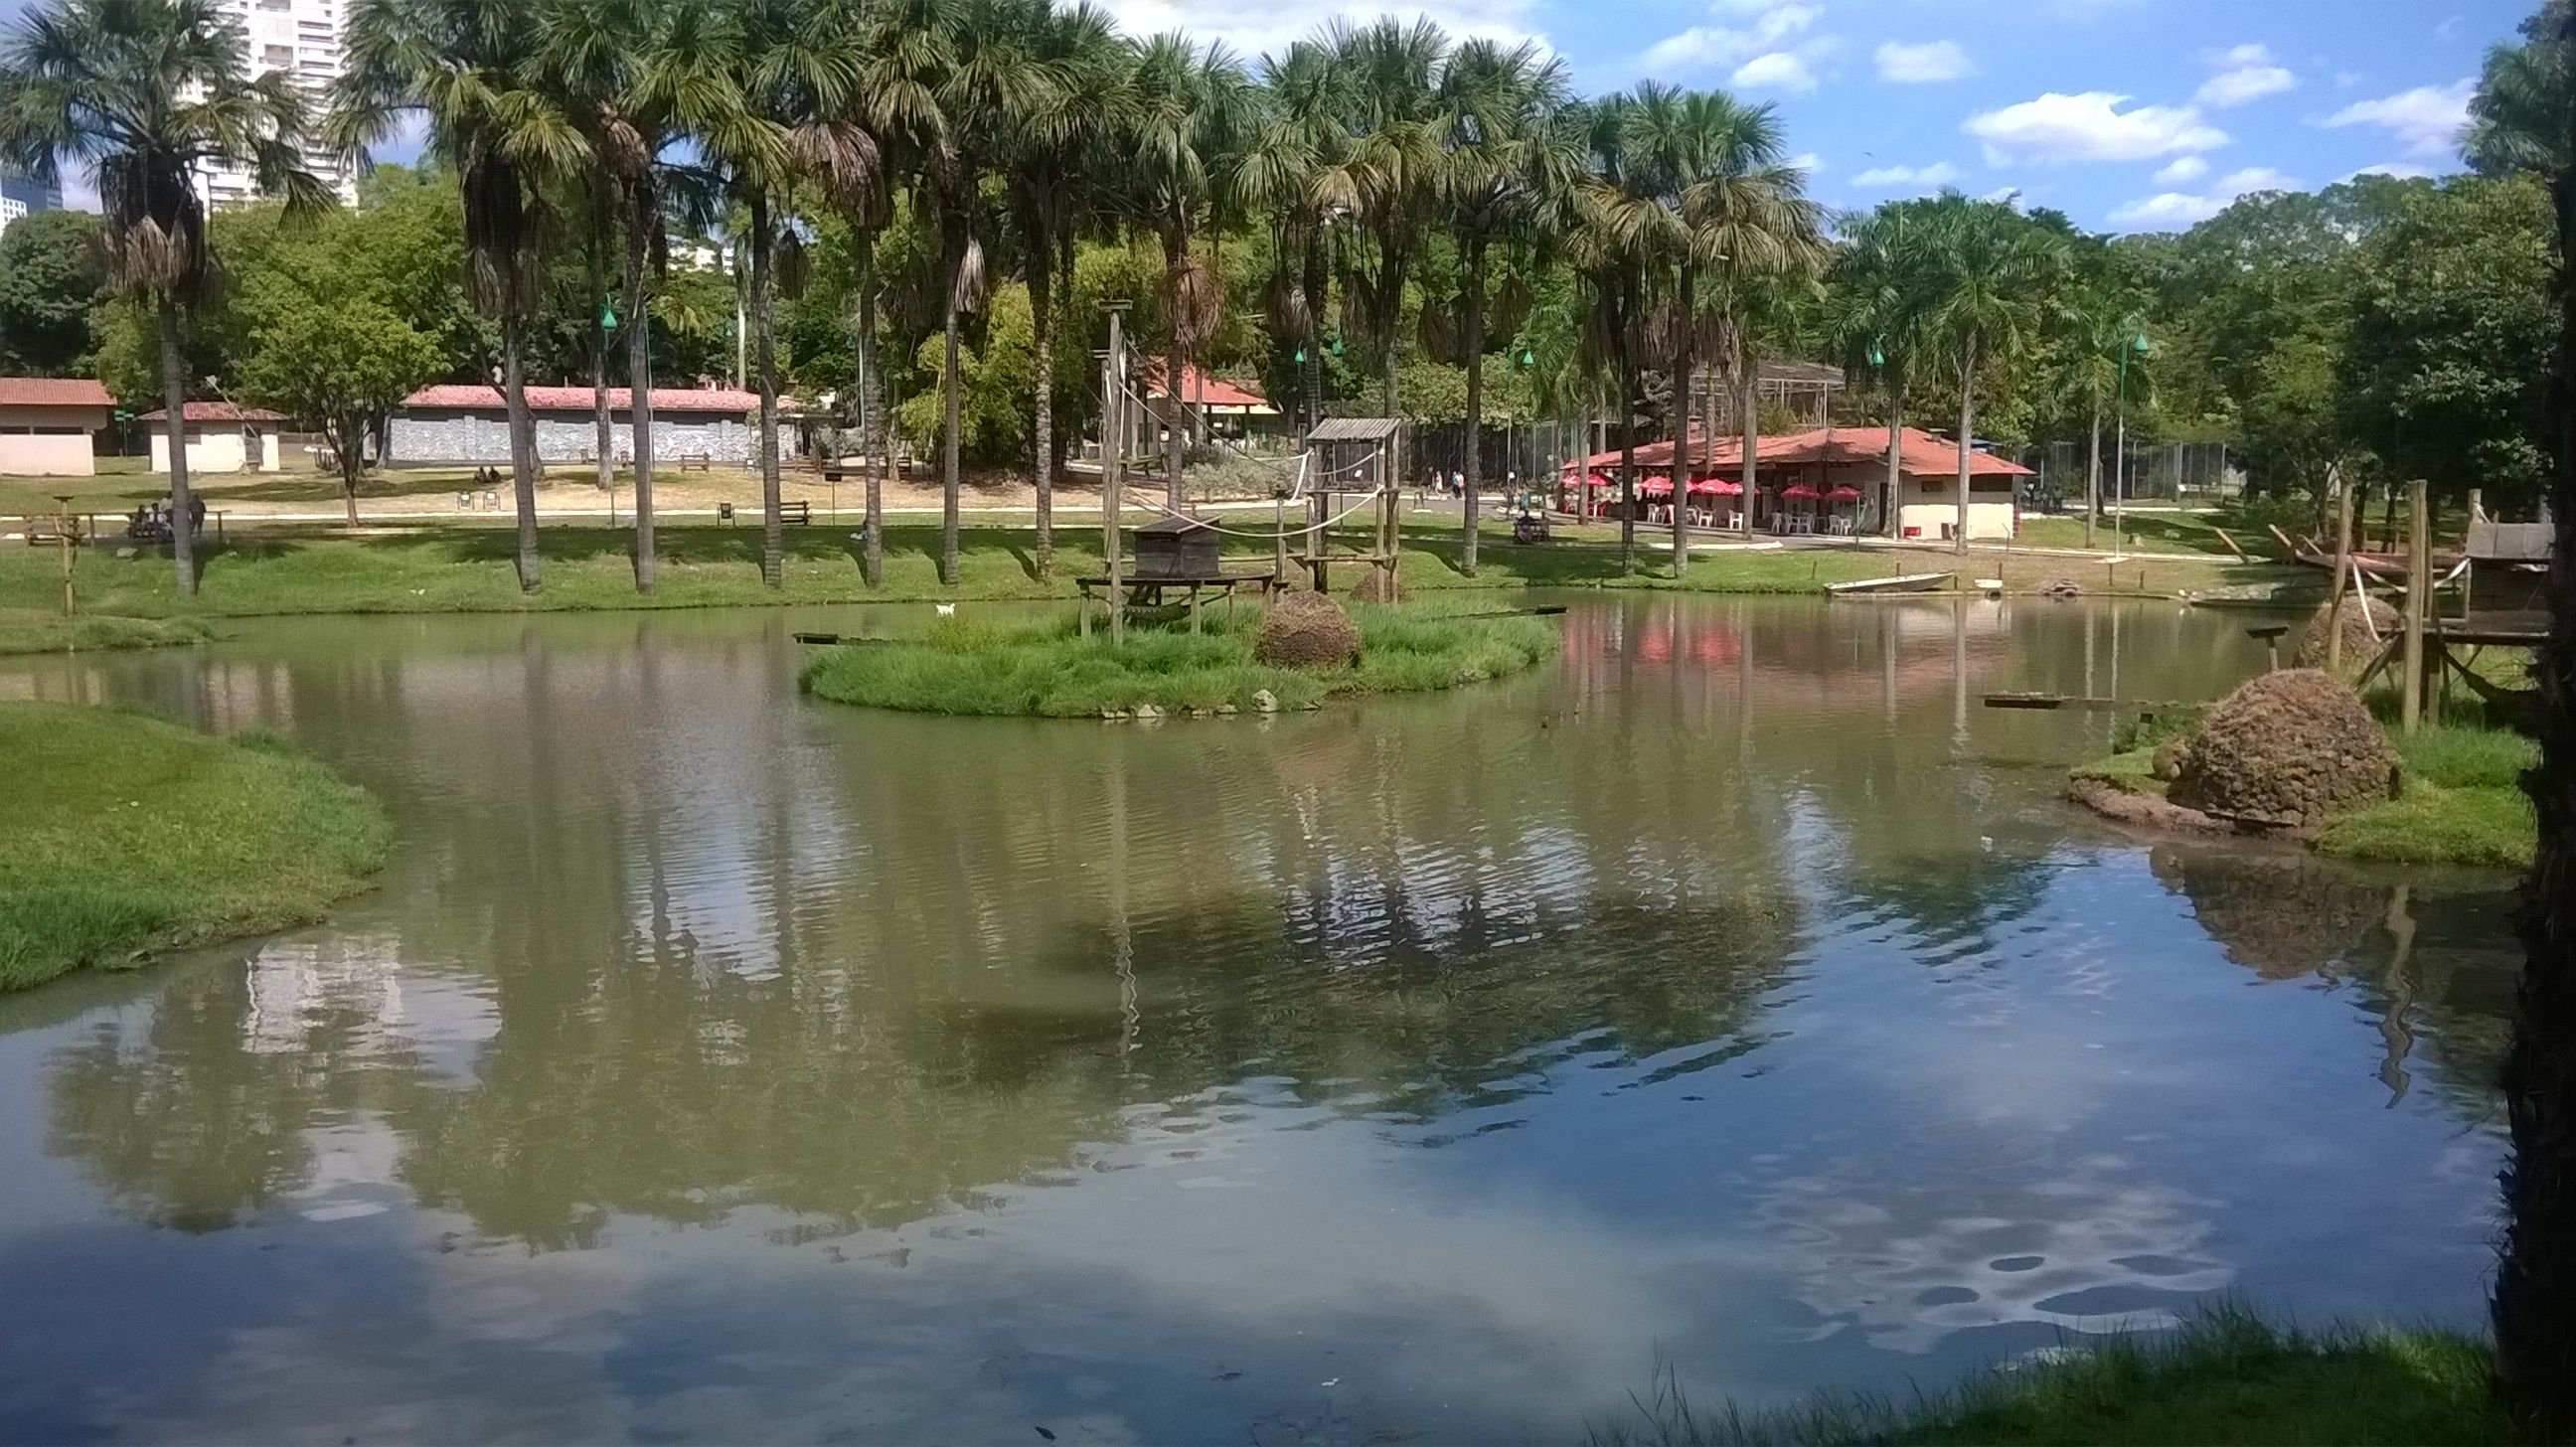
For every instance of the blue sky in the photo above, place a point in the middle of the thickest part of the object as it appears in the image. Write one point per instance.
(2126, 114)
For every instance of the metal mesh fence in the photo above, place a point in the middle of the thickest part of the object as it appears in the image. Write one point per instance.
(2187, 473)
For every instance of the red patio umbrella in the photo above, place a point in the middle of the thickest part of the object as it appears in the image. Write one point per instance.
(1843, 492)
(1655, 487)
(1798, 492)
(1717, 487)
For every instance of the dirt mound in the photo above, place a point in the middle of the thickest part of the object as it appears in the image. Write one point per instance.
(1377, 585)
(2359, 647)
(1306, 630)
(2286, 749)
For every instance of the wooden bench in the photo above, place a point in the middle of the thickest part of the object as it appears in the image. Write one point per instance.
(45, 530)
(799, 512)
(695, 461)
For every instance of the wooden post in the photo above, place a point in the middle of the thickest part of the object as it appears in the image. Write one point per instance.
(1279, 537)
(1113, 468)
(2419, 564)
(66, 543)
(2343, 569)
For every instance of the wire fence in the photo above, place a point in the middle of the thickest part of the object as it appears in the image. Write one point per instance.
(2181, 473)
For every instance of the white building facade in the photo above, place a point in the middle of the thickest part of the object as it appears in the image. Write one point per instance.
(302, 39)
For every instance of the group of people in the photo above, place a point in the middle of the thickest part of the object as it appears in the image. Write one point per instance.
(153, 522)
(1453, 484)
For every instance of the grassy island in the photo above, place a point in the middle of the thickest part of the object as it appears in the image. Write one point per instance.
(2461, 803)
(1045, 671)
(2227, 1377)
(129, 835)
(25, 630)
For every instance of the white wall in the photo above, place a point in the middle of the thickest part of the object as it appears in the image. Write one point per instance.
(59, 445)
(217, 447)
(1928, 508)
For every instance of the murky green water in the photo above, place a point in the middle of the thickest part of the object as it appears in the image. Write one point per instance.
(714, 1064)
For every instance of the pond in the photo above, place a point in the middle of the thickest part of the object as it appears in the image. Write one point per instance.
(1736, 997)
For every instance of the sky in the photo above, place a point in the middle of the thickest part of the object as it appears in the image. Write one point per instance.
(2128, 115)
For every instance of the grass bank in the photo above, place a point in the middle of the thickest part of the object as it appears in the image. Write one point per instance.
(126, 834)
(2224, 1378)
(466, 568)
(26, 630)
(1046, 671)
(2461, 801)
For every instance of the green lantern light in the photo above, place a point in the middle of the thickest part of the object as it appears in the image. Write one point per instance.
(1301, 356)
(607, 317)
(1877, 358)
(2139, 342)
(1337, 346)
(1528, 360)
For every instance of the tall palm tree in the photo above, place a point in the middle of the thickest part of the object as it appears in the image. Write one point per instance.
(636, 76)
(1875, 312)
(1285, 174)
(468, 67)
(2523, 116)
(784, 121)
(2097, 325)
(1388, 175)
(1189, 108)
(1508, 174)
(142, 92)
(1053, 148)
(1991, 273)
(1610, 250)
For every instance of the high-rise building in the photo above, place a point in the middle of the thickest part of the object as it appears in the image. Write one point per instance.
(302, 39)
(20, 195)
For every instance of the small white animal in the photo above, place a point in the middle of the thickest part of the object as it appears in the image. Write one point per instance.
(947, 610)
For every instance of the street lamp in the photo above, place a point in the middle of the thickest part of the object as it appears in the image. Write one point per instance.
(2134, 341)
(608, 329)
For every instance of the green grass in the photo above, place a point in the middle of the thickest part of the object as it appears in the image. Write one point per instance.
(466, 567)
(2462, 801)
(25, 630)
(1047, 671)
(2226, 1377)
(126, 834)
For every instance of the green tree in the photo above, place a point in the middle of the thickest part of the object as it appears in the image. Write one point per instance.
(1388, 173)
(1990, 273)
(144, 91)
(49, 284)
(2523, 116)
(343, 363)
(1188, 109)
(2450, 345)
(467, 67)
(1877, 312)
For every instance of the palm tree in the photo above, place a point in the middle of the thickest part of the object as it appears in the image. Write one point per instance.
(783, 121)
(1617, 267)
(1875, 317)
(1389, 173)
(2098, 326)
(142, 92)
(2523, 116)
(636, 76)
(1285, 175)
(1064, 137)
(1189, 110)
(1508, 174)
(468, 67)
(1991, 272)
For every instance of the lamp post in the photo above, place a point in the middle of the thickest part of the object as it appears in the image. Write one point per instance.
(608, 327)
(2134, 339)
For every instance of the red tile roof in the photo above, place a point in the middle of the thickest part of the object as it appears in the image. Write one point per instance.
(475, 397)
(1920, 453)
(217, 412)
(53, 392)
(1218, 392)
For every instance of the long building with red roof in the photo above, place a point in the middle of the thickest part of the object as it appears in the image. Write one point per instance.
(1825, 458)
(469, 423)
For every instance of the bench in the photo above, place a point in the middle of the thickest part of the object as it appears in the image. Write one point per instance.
(695, 461)
(799, 512)
(45, 530)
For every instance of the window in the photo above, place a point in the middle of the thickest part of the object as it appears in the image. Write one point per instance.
(277, 57)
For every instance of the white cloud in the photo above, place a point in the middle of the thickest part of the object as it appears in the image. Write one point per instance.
(2182, 171)
(1908, 178)
(1267, 29)
(1930, 61)
(2427, 120)
(2090, 127)
(2400, 170)
(2249, 75)
(1807, 161)
(1722, 45)
(2168, 209)
(1778, 70)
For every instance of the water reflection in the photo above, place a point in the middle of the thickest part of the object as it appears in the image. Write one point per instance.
(1738, 992)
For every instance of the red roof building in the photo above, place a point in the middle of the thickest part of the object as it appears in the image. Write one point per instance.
(47, 425)
(474, 396)
(212, 412)
(468, 423)
(1820, 460)
(1199, 389)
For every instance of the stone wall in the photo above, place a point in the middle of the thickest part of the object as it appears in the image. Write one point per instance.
(434, 438)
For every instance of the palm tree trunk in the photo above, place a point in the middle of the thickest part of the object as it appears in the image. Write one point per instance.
(1681, 432)
(1967, 431)
(1042, 403)
(1895, 485)
(1751, 402)
(872, 429)
(605, 432)
(348, 442)
(174, 396)
(639, 384)
(1627, 472)
(764, 362)
(1474, 490)
(1173, 433)
(2093, 478)
(523, 445)
(948, 387)
(2534, 1306)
